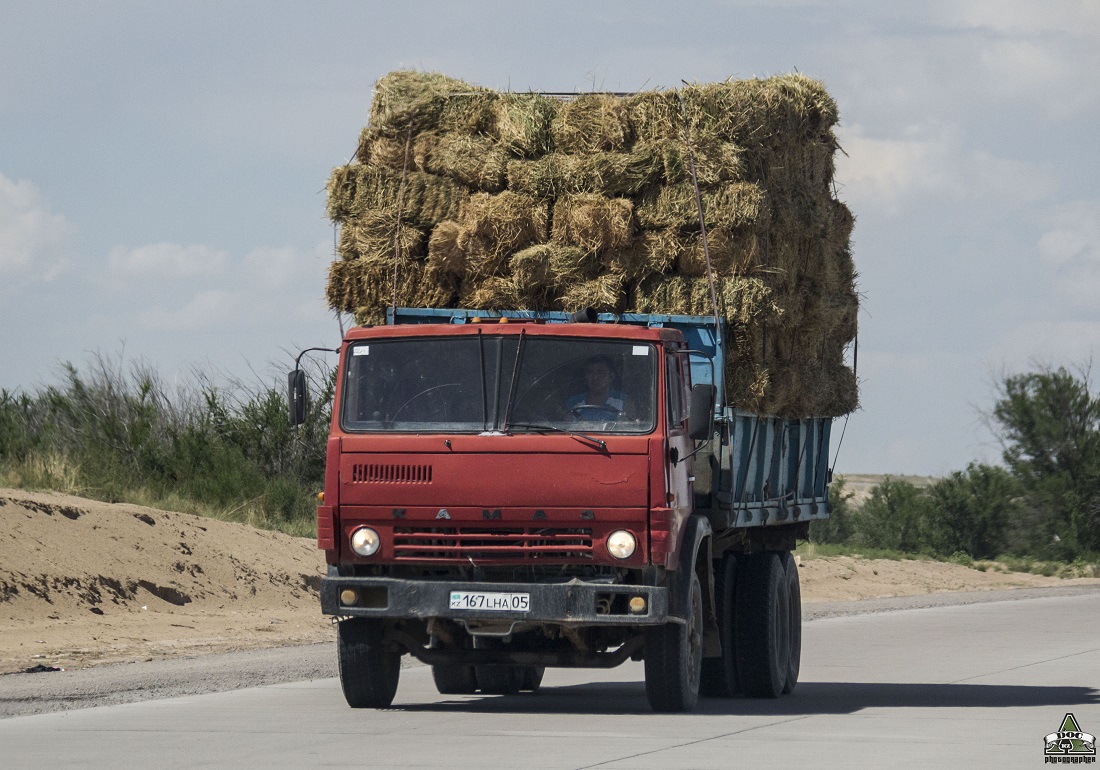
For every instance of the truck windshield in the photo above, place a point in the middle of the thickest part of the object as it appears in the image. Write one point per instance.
(464, 385)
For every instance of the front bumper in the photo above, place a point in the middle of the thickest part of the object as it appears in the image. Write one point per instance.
(576, 603)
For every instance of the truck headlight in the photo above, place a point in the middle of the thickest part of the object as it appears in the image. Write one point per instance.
(365, 541)
(621, 544)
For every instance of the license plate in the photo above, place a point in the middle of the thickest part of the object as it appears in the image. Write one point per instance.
(500, 602)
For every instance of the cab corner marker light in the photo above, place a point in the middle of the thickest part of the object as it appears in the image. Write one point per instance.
(349, 597)
(365, 541)
(621, 544)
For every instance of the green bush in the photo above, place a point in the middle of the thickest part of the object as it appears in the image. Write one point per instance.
(1049, 425)
(121, 435)
(899, 516)
(975, 509)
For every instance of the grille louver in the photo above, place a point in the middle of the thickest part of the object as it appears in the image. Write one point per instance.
(370, 473)
(483, 544)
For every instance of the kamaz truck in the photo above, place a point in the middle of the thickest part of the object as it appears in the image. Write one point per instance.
(508, 491)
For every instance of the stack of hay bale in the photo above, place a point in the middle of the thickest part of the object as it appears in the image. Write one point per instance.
(461, 196)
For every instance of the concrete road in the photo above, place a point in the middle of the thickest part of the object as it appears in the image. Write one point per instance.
(976, 685)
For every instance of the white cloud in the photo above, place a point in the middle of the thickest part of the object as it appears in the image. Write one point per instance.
(273, 267)
(204, 310)
(1071, 249)
(892, 173)
(1043, 53)
(170, 260)
(29, 232)
(1074, 235)
(883, 172)
(1059, 343)
(188, 288)
(1079, 18)
(1025, 66)
(1015, 183)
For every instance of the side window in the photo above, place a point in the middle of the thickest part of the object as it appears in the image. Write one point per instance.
(674, 391)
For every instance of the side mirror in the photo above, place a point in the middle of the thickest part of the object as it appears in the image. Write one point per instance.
(701, 416)
(297, 396)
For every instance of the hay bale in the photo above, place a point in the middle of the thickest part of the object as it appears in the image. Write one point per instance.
(494, 226)
(521, 123)
(496, 293)
(553, 265)
(841, 223)
(426, 199)
(378, 237)
(593, 222)
(472, 160)
(384, 153)
(840, 269)
(444, 253)
(734, 205)
(715, 162)
(341, 288)
(805, 167)
(606, 294)
(652, 252)
(592, 123)
(731, 252)
(426, 101)
(609, 173)
(747, 380)
(340, 191)
(531, 266)
(366, 290)
(750, 112)
(741, 300)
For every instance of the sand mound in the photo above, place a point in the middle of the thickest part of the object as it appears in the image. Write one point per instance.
(82, 580)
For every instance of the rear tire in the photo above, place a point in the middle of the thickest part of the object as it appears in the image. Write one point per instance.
(454, 680)
(496, 680)
(763, 625)
(674, 658)
(368, 670)
(719, 675)
(531, 678)
(794, 602)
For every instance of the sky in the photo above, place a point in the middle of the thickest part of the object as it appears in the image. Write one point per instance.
(162, 172)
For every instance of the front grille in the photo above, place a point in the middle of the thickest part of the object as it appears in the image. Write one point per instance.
(482, 544)
(377, 473)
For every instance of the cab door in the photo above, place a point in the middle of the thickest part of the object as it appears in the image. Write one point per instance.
(678, 473)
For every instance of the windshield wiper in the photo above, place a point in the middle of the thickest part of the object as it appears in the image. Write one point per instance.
(555, 429)
(512, 384)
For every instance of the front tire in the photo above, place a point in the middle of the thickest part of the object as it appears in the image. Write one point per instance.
(369, 671)
(674, 658)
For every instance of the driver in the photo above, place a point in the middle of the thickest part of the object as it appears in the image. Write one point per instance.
(599, 402)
